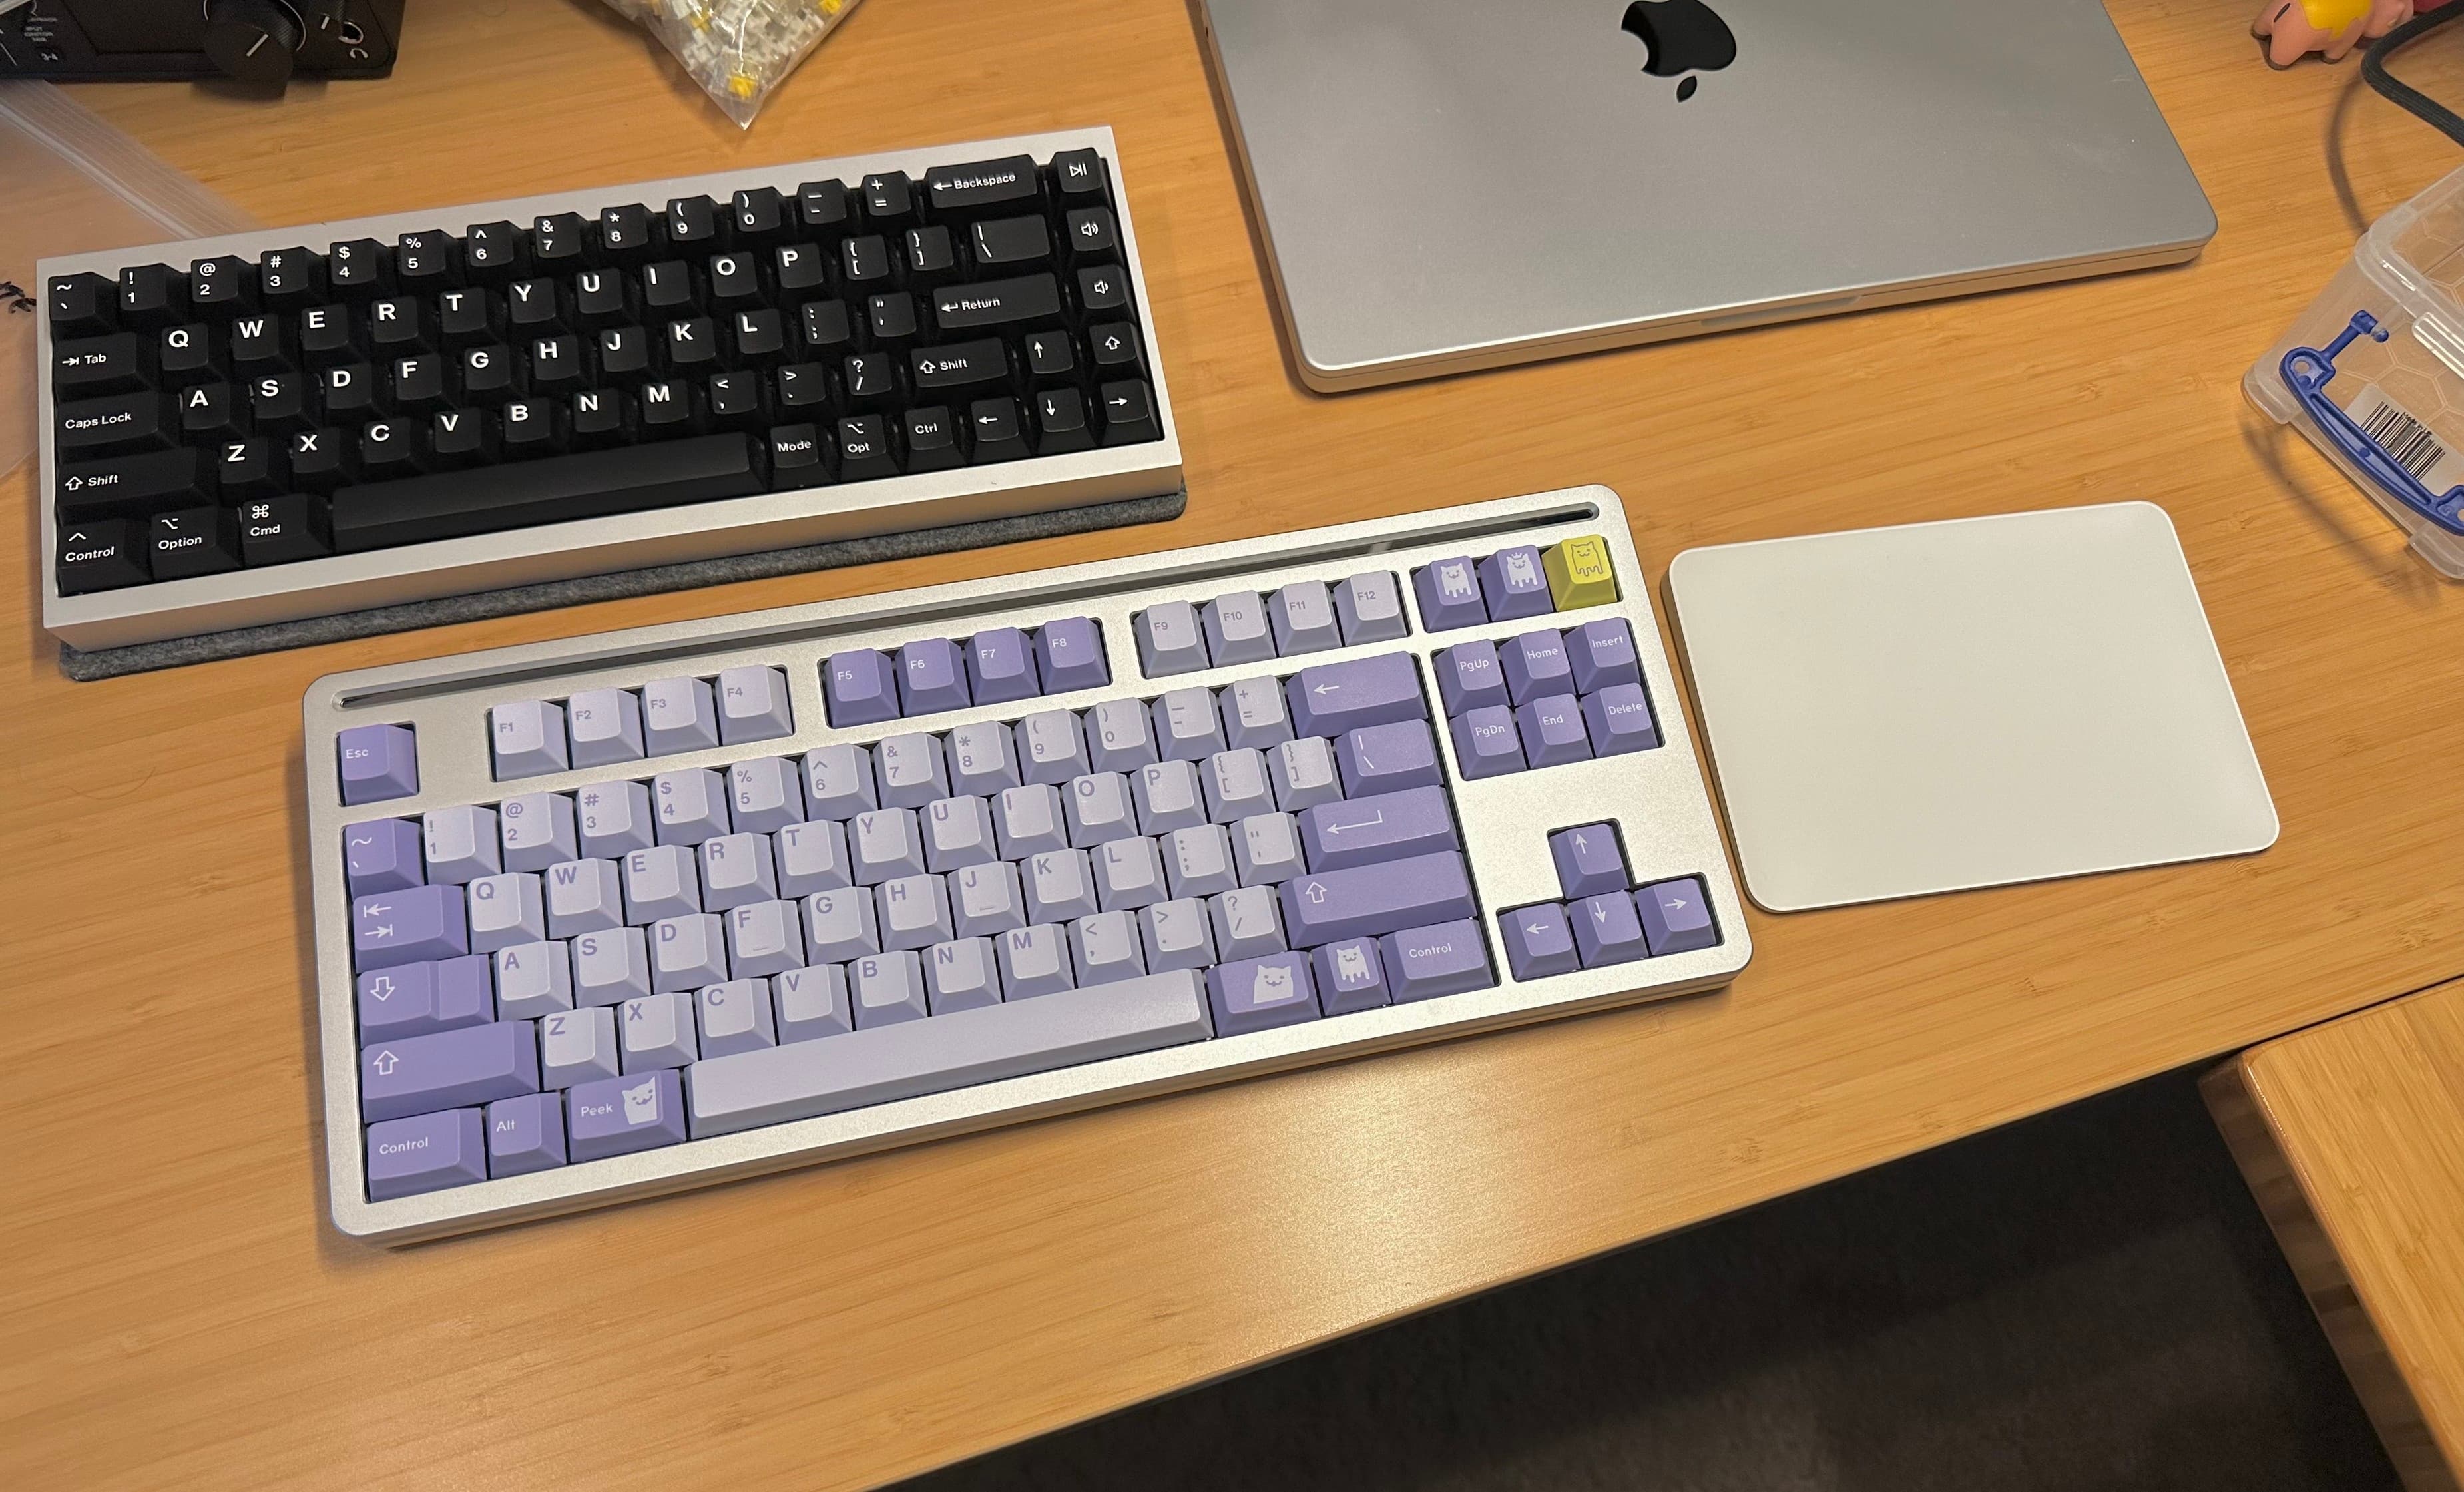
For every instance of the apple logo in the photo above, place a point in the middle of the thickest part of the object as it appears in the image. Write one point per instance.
(1684, 36)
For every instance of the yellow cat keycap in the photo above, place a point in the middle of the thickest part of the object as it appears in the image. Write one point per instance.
(1579, 573)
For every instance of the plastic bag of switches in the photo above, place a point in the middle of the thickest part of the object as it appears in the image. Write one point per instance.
(739, 50)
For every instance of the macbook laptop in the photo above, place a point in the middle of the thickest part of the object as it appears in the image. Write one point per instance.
(1449, 184)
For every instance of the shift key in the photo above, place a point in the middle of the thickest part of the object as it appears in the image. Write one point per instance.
(1372, 900)
(450, 1069)
(1031, 300)
(967, 364)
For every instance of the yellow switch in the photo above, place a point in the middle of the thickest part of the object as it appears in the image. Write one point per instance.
(1579, 573)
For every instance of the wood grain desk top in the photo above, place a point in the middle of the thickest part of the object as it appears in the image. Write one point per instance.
(2352, 1134)
(175, 1312)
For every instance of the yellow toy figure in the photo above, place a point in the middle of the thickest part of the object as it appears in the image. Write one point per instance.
(2294, 29)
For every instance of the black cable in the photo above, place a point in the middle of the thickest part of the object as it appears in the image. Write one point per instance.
(2374, 69)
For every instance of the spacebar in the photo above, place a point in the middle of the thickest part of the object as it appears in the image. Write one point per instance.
(523, 494)
(881, 1065)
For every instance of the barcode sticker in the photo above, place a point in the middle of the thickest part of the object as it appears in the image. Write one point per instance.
(2408, 441)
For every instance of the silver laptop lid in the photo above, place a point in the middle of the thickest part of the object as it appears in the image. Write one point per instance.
(1456, 184)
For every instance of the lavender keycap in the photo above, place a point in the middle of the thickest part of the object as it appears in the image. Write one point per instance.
(957, 831)
(1602, 653)
(1245, 924)
(1606, 929)
(932, 677)
(1034, 961)
(1676, 916)
(1350, 977)
(1447, 959)
(766, 794)
(462, 843)
(1486, 742)
(1303, 774)
(1168, 796)
(1177, 936)
(1106, 949)
(911, 769)
(888, 988)
(1236, 629)
(691, 805)
(1197, 861)
(1369, 609)
(618, 1116)
(1552, 731)
(810, 857)
(378, 763)
(1588, 860)
(657, 1031)
(525, 1134)
(1387, 759)
(382, 855)
(527, 737)
(982, 760)
(604, 726)
(1511, 582)
(615, 820)
(1330, 698)
(913, 912)
(838, 782)
(505, 910)
(1535, 664)
(859, 688)
(959, 975)
(584, 896)
(1029, 821)
(885, 844)
(1186, 725)
(841, 925)
(1449, 592)
(1069, 655)
(1254, 716)
(470, 1065)
(609, 968)
(533, 979)
(416, 998)
(1539, 942)
(678, 714)
(812, 1002)
(1235, 785)
(753, 705)
(1469, 677)
(535, 831)
(577, 1046)
(1303, 614)
(1618, 719)
(1170, 639)
(735, 1017)
(662, 881)
(1001, 667)
(1260, 994)
(764, 938)
(1119, 735)
(1369, 901)
(1266, 850)
(1363, 831)
(688, 952)
(414, 925)
(426, 1153)
(1052, 748)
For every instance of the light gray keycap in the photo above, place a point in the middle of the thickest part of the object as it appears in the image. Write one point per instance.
(961, 975)
(1099, 809)
(1235, 785)
(839, 926)
(838, 782)
(885, 844)
(1369, 608)
(1177, 936)
(915, 912)
(1304, 618)
(678, 714)
(462, 845)
(764, 938)
(986, 899)
(584, 896)
(656, 1031)
(753, 705)
(533, 979)
(958, 831)
(813, 856)
(888, 988)
(1254, 715)
(735, 1017)
(766, 793)
(1186, 728)
(982, 760)
(615, 820)
(1303, 774)
(1197, 861)
(577, 1046)
(604, 726)
(911, 769)
(1127, 874)
(1170, 640)
(505, 910)
(1051, 748)
(1236, 629)
(812, 1002)
(1169, 798)
(1106, 949)
(527, 738)
(663, 881)
(611, 968)
(1034, 961)
(691, 805)
(735, 871)
(1060, 885)
(688, 952)
(1119, 737)
(886, 1063)
(1266, 848)
(1028, 820)
(536, 831)
(1245, 923)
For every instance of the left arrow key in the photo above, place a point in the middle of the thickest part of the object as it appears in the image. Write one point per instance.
(414, 925)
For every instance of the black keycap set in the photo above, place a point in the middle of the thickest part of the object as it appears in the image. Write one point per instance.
(235, 413)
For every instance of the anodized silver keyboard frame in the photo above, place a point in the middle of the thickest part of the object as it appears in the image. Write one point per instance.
(1658, 798)
(622, 541)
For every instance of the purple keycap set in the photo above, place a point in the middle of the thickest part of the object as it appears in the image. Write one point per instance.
(605, 973)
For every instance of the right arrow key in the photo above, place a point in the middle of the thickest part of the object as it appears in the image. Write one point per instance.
(1676, 917)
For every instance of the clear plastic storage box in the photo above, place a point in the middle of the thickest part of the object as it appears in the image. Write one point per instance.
(2373, 372)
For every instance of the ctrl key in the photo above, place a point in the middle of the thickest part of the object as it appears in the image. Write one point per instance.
(427, 1152)
(100, 555)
